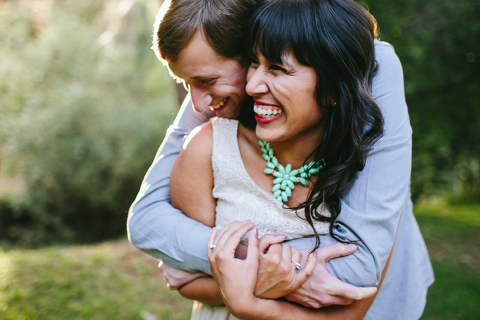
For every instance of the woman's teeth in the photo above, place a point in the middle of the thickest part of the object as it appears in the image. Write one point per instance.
(220, 104)
(266, 113)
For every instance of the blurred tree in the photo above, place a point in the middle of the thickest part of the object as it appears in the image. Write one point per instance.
(438, 43)
(84, 105)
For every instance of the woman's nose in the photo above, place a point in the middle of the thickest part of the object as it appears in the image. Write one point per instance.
(201, 98)
(256, 84)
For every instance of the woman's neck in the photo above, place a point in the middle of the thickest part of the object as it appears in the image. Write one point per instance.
(296, 151)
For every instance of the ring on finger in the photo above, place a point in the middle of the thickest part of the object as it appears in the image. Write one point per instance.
(212, 246)
(297, 265)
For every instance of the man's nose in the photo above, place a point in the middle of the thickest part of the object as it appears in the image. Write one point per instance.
(201, 98)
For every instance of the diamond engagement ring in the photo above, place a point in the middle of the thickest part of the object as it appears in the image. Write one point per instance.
(297, 265)
(212, 246)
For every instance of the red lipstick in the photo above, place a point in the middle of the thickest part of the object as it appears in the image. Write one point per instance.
(260, 103)
(267, 120)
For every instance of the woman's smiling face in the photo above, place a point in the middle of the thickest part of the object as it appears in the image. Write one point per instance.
(284, 95)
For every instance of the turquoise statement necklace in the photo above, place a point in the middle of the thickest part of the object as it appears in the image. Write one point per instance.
(285, 177)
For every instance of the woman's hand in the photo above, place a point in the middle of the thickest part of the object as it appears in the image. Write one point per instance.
(235, 278)
(278, 274)
(177, 278)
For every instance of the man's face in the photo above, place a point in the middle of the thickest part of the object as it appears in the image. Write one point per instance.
(213, 81)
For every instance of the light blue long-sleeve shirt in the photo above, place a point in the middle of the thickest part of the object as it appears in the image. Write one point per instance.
(376, 208)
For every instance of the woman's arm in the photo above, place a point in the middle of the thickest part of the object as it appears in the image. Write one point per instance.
(191, 184)
(177, 278)
(204, 290)
(191, 180)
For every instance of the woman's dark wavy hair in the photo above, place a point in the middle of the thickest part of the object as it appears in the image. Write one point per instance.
(336, 38)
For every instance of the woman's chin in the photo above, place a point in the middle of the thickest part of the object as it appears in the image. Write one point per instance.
(267, 135)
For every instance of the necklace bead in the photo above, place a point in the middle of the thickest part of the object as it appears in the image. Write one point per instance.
(285, 177)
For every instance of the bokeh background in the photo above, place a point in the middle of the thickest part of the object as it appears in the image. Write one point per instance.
(84, 105)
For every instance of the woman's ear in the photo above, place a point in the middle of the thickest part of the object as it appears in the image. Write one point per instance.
(332, 101)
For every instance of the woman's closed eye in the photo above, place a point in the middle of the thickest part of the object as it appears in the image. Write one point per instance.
(277, 68)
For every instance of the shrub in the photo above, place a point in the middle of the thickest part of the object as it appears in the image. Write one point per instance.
(438, 44)
(85, 105)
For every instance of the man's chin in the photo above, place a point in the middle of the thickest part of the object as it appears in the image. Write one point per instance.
(227, 114)
(229, 111)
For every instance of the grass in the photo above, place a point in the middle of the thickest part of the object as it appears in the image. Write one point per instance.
(452, 234)
(113, 280)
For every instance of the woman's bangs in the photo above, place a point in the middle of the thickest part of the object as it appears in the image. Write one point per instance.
(268, 34)
(278, 27)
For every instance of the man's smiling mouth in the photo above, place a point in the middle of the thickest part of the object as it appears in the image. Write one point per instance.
(220, 104)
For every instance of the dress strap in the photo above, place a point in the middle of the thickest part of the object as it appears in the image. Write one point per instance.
(225, 152)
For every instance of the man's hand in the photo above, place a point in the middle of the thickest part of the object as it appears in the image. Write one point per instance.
(177, 278)
(322, 289)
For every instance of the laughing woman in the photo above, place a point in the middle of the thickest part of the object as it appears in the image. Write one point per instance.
(311, 72)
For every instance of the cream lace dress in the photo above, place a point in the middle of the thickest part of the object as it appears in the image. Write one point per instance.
(240, 198)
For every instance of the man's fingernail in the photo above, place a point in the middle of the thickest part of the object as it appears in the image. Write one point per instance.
(255, 232)
(351, 247)
(314, 253)
(280, 235)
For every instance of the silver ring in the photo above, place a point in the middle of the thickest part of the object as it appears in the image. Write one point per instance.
(297, 265)
(212, 246)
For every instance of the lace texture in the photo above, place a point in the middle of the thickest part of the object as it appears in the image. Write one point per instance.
(240, 198)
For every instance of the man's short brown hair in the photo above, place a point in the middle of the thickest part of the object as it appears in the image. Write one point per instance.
(222, 21)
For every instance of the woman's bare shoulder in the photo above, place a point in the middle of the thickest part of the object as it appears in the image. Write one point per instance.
(191, 181)
(199, 141)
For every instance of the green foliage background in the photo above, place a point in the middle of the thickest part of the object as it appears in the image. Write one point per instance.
(84, 104)
(438, 43)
